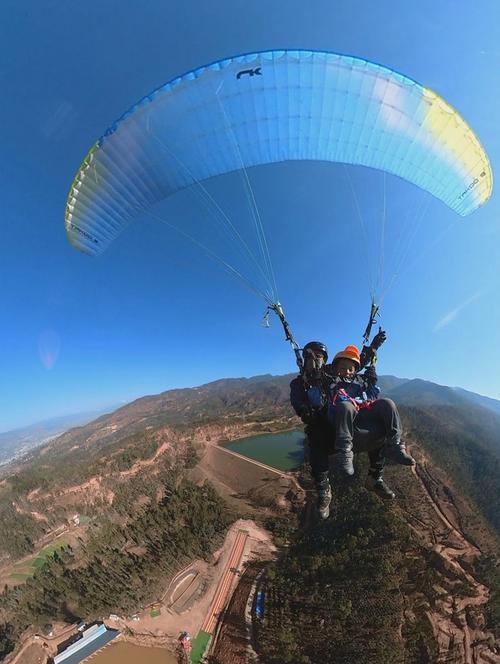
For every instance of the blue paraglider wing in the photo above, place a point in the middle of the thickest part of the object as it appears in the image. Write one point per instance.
(270, 107)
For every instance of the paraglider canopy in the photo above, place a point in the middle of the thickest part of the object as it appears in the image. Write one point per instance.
(269, 107)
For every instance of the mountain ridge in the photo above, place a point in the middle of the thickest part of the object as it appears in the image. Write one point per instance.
(391, 385)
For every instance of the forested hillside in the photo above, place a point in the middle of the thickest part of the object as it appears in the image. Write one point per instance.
(381, 583)
(121, 566)
(467, 444)
(337, 595)
(369, 585)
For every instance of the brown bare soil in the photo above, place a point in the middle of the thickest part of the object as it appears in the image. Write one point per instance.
(35, 648)
(35, 515)
(145, 463)
(433, 515)
(246, 485)
(32, 653)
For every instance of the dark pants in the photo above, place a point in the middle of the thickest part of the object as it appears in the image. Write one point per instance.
(321, 439)
(367, 430)
(355, 429)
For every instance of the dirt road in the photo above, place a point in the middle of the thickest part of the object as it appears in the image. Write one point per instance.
(225, 583)
(449, 618)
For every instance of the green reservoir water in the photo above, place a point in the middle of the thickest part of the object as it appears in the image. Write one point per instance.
(284, 450)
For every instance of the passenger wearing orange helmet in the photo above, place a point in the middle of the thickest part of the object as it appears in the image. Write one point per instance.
(356, 412)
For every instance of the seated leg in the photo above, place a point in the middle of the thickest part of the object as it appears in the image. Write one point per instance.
(395, 448)
(345, 412)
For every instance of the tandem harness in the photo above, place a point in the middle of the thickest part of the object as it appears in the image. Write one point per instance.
(342, 395)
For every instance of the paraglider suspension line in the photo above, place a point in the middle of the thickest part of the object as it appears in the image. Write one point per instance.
(278, 310)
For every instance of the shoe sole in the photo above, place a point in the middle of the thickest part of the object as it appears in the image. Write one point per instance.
(325, 512)
(381, 494)
(384, 496)
(395, 462)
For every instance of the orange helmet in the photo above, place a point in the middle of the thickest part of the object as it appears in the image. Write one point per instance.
(349, 353)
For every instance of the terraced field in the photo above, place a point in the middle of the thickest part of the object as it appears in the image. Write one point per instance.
(26, 568)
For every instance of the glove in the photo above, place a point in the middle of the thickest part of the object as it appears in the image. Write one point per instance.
(370, 375)
(368, 356)
(378, 339)
(306, 415)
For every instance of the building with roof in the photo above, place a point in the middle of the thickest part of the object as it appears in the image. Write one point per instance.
(90, 640)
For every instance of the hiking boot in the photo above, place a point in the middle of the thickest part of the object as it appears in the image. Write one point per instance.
(397, 454)
(378, 486)
(342, 461)
(324, 500)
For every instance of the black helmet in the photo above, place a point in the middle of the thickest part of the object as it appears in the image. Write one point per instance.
(317, 347)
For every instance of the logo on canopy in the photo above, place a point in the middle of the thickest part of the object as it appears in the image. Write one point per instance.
(249, 72)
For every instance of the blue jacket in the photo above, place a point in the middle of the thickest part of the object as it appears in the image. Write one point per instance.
(357, 391)
(318, 401)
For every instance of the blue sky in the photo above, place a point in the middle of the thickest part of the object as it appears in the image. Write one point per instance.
(153, 312)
